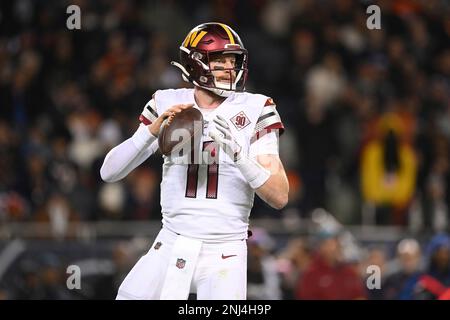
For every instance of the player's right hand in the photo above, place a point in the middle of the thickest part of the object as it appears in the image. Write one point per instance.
(168, 114)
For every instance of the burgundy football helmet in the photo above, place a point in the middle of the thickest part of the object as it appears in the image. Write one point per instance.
(195, 53)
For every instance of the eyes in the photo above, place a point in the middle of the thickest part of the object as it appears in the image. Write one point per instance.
(232, 61)
(222, 63)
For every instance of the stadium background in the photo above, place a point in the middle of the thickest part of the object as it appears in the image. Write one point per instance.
(366, 148)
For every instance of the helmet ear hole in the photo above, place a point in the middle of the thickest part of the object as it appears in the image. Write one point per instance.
(197, 55)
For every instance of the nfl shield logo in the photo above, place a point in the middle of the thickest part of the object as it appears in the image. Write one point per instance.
(180, 263)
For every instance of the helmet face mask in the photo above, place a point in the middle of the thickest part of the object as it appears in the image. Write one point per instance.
(202, 46)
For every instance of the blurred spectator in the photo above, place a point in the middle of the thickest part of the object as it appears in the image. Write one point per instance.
(401, 284)
(315, 135)
(43, 278)
(327, 277)
(292, 262)
(112, 201)
(262, 277)
(58, 213)
(435, 282)
(376, 257)
(52, 275)
(13, 207)
(143, 185)
(324, 83)
(434, 180)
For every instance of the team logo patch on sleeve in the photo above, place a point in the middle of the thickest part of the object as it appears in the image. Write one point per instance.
(240, 120)
(180, 263)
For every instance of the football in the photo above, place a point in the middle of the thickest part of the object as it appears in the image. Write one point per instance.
(183, 132)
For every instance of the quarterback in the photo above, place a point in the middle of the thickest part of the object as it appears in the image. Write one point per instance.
(202, 246)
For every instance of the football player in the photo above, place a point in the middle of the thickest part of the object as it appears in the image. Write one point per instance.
(202, 247)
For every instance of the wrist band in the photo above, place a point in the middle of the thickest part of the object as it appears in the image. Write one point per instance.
(255, 174)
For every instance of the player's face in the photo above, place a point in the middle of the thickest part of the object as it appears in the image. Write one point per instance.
(221, 64)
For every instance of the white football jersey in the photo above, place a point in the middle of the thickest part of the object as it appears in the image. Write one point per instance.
(211, 200)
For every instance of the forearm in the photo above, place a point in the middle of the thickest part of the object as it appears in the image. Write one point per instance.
(128, 155)
(267, 177)
(275, 190)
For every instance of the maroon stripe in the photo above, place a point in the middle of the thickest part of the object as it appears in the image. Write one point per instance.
(278, 125)
(144, 120)
(213, 170)
(212, 182)
(262, 132)
(191, 181)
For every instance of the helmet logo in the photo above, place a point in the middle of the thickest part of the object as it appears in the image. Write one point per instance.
(227, 30)
(193, 38)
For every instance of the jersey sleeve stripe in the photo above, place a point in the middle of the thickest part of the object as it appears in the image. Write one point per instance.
(259, 134)
(267, 121)
(144, 120)
(152, 111)
(267, 115)
(268, 109)
(149, 113)
(276, 126)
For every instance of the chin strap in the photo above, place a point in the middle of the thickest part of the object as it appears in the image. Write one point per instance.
(219, 92)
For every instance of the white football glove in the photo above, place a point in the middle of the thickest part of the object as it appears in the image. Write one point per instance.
(255, 174)
(224, 138)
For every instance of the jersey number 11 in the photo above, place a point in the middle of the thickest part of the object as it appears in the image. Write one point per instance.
(212, 177)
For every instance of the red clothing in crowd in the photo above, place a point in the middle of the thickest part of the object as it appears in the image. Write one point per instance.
(322, 281)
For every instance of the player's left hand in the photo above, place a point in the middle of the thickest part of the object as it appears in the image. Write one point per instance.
(223, 136)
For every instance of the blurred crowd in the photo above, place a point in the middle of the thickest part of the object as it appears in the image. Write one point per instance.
(367, 111)
(367, 114)
(316, 268)
(313, 267)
